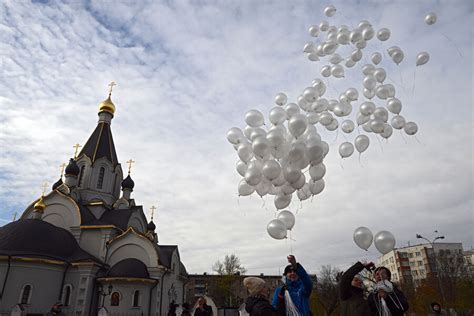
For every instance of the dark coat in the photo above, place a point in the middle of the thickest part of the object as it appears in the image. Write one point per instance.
(206, 311)
(257, 305)
(396, 301)
(352, 298)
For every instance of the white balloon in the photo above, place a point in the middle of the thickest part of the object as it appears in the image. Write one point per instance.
(248, 131)
(332, 104)
(347, 126)
(376, 58)
(330, 47)
(315, 150)
(297, 124)
(343, 37)
(245, 189)
(297, 151)
(333, 126)
(320, 105)
(282, 201)
(309, 47)
(271, 169)
(352, 94)
(241, 167)
(398, 56)
(263, 188)
(382, 92)
(380, 74)
(313, 56)
(368, 33)
(361, 143)
(279, 181)
(310, 94)
(313, 118)
(319, 85)
(325, 118)
(326, 71)
(304, 193)
(387, 131)
(346, 149)
(383, 34)
(260, 147)
(363, 24)
(330, 10)
(302, 103)
(335, 58)
(361, 44)
(316, 187)
(368, 93)
(277, 115)
(253, 176)
(361, 118)
(369, 82)
(256, 132)
(350, 63)
(410, 128)
(368, 69)
(337, 71)
(356, 55)
(381, 114)
(244, 151)
(422, 58)
(394, 105)
(292, 109)
(391, 90)
(367, 108)
(384, 241)
(276, 229)
(313, 30)
(317, 172)
(392, 49)
(431, 18)
(324, 26)
(366, 127)
(398, 122)
(275, 138)
(234, 135)
(280, 99)
(299, 183)
(292, 173)
(363, 237)
(376, 125)
(254, 118)
(287, 189)
(356, 36)
(287, 218)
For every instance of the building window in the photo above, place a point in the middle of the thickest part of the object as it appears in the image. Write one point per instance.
(136, 298)
(115, 299)
(25, 296)
(81, 176)
(100, 181)
(66, 298)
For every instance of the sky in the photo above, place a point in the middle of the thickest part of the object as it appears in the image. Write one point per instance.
(188, 71)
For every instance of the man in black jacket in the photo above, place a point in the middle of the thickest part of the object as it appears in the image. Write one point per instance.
(351, 291)
(386, 299)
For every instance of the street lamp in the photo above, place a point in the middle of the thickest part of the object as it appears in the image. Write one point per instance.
(431, 242)
(103, 294)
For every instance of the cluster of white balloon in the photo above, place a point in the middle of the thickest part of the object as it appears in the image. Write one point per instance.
(384, 240)
(274, 160)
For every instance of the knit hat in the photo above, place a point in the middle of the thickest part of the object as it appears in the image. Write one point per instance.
(289, 268)
(254, 285)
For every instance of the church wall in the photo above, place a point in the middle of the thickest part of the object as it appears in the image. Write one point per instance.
(126, 292)
(94, 241)
(45, 280)
(173, 290)
(131, 251)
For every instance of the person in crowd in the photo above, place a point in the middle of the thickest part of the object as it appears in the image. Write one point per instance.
(202, 309)
(386, 299)
(186, 309)
(299, 287)
(351, 291)
(436, 309)
(172, 309)
(257, 303)
(56, 310)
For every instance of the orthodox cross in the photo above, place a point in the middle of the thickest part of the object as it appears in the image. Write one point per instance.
(45, 185)
(62, 166)
(76, 148)
(111, 85)
(14, 216)
(130, 164)
(153, 208)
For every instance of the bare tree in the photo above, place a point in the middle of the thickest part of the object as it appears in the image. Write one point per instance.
(327, 289)
(230, 266)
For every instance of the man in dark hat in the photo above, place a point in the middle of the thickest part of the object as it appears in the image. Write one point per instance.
(299, 286)
(386, 299)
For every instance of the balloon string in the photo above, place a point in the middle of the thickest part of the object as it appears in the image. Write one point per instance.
(454, 44)
(414, 81)
(342, 167)
(381, 147)
(419, 142)
(403, 137)
(360, 162)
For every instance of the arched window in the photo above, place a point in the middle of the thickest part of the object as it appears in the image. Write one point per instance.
(115, 299)
(67, 295)
(101, 178)
(25, 296)
(81, 176)
(136, 298)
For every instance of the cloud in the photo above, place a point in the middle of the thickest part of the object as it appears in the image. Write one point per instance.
(186, 73)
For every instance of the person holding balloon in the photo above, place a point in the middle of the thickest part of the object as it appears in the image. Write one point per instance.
(386, 299)
(298, 284)
(351, 291)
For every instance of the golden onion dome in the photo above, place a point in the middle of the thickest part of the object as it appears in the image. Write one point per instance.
(40, 206)
(107, 106)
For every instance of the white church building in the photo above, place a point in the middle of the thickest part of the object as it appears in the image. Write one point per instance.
(87, 244)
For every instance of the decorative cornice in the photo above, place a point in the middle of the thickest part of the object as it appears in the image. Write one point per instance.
(130, 230)
(127, 280)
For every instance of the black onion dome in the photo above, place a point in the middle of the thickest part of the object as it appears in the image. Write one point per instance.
(128, 183)
(57, 184)
(129, 268)
(151, 226)
(72, 168)
(31, 237)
